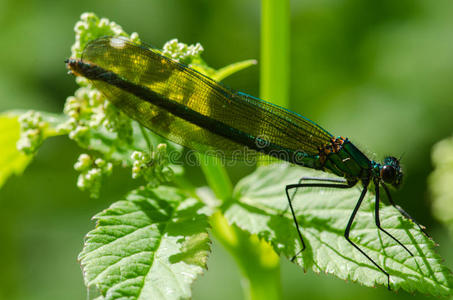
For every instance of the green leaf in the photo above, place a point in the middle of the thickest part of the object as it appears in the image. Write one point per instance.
(440, 181)
(259, 208)
(12, 161)
(226, 71)
(152, 245)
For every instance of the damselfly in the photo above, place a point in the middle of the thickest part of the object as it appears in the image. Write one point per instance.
(188, 108)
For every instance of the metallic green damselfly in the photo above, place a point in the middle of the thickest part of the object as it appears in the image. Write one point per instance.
(188, 108)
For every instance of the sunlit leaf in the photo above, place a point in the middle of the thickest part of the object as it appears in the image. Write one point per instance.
(152, 245)
(323, 215)
(226, 71)
(12, 161)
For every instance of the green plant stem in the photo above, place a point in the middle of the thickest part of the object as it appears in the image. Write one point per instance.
(275, 36)
(216, 176)
(256, 259)
(146, 137)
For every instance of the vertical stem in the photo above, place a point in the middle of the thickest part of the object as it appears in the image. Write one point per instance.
(216, 176)
(256, 259)
(275, 36)
(146, 137)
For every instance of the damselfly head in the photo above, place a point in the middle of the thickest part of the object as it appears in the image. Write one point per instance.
(391, 172)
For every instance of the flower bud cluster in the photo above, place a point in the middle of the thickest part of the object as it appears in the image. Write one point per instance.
(88, 109)
(91, 27)
(182, 52)
(91, 171)
(152, 167)
(32, 129)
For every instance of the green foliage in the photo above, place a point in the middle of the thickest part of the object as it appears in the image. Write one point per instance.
(152, 245)
(91, 27)
(11, 160)
(24, 131)
(441, 179)
(165, 258)
(323, 214)
(226, 71)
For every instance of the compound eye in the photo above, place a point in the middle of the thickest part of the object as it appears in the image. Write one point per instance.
(388, 174)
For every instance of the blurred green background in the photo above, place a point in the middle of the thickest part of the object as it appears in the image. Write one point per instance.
(378, 72)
